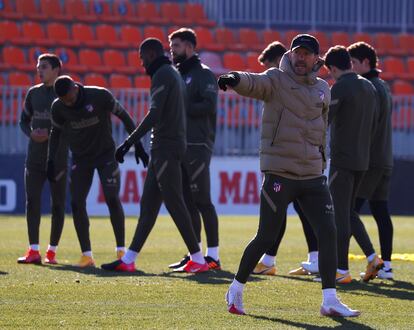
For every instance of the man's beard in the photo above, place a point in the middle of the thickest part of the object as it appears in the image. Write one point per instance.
(179, 58)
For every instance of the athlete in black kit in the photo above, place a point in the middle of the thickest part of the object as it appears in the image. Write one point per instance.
(84, 112)
(35, 123)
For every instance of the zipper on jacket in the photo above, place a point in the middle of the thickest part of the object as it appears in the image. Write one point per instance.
(277, 128)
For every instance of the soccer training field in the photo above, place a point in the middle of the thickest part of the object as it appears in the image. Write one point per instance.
(63, 296)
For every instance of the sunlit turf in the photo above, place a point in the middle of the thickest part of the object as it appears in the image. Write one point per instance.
(63, 296)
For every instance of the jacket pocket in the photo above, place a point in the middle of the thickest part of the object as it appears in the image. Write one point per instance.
(276, 129)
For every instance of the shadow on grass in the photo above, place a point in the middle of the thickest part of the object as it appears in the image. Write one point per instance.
(344, 323)
(392, 289)
(98, 272)
(3, 273)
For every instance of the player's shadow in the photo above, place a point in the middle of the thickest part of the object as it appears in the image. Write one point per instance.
(98, 272)
(3, 273)
(210, 277)
(344, 323)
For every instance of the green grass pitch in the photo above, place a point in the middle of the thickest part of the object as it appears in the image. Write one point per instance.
(61, 296)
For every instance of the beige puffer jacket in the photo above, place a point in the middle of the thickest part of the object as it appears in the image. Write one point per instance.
(294, 121)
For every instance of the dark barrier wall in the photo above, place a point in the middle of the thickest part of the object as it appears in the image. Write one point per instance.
(12, 195)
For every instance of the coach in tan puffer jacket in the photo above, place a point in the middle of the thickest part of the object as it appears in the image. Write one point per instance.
(294, 121)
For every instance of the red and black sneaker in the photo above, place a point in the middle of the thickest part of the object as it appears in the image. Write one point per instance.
(119, 266)
(180, 263)
(31, 257)
(193, 267)
(212, 263)
(50, 257)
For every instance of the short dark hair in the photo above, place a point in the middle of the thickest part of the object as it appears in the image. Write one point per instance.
(272, 52)
(62, 85)
(184, 34)
(361, 50)
(53, 60)
(153, 44)
(338, 56)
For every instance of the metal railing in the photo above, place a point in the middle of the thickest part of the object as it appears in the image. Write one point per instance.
(238, 122)
(346, 15)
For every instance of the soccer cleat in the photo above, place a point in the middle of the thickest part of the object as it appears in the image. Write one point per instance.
(311, 267)
(120, 254)
(385, 274)
(234, 300)
(119, 266)
(193, 267)
(337, 308)
(262, 269)
(31, 257)
(299, 271)
(212, 263)
(372, 269)
(50, 257)
(181, 263)
(340, 278)
(85, 261)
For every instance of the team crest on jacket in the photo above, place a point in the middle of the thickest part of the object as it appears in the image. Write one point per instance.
(188, 80)
(277, 187)
(321, 94)
(89, 107)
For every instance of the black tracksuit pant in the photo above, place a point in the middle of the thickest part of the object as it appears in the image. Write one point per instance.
(343, 185)
(197, 165)
(164, 182)
(34, 181)
(81, 181)
(315, 201)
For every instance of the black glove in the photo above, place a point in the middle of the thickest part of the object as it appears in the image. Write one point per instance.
(229, 79)
(141, 154)
(121, 151)
(50, 171)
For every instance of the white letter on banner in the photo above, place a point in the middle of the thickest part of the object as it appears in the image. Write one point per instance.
(7, 195)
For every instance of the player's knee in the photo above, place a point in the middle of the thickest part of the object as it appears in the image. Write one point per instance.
(58, 209)
(113, 202)
(78, 206)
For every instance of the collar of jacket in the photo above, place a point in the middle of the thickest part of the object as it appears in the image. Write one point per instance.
(373, 73)
(188, 64)
(309, 79)
(349, 74)
(158, 62)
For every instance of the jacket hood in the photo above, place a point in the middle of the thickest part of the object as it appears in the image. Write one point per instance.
(310, 79)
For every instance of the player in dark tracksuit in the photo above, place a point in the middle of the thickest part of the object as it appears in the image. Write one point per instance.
(84, 112)
(35, 123)
(201, 105)
(166, 118)
(375, 185)
(352, 119)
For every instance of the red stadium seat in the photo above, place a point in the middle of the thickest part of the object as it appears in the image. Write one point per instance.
(20, 79)
(59, 34)
(410, 66)
(233, 61)
(9, 31)
(133, 61)
(143, 82)
(29, 10)
(115, 60)
(76, 77)
(225, 37)
(92, 59)
(148, 13)
(195, 13)
(405, 42)
(119, 81)
(8, 10)
(324, 72)
(130, 36)
(270, 36)
(95, 79)
(85, 35)
(366, 37)
(53, 10)
(205, 40)
(253, 64)
(107, 34)
(249, 39)
(103, 11)
(289, 35)
(34, 53)
(15, 58)
(77, 10)
(393, 68)
(171, 12)
(340, 38)
(386, 44)
(402, 87)
(323, 39)
(152, 31)
(33, 33)
(124, 11)
(70, 61)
